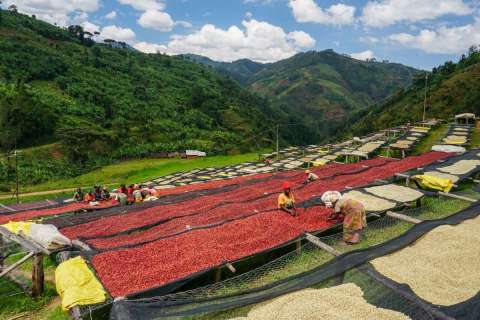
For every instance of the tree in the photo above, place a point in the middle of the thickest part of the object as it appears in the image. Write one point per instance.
(13, 8)
(83, 140)
(77, 32)
(23, 119)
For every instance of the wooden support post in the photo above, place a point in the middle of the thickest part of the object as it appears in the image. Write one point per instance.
(316, 241)
(231, 268)
(419, 202)
(2, 257)
(218, 275)
(17, 264)
(298, 246)
(37, 275)
(403, 217)
(451, 195)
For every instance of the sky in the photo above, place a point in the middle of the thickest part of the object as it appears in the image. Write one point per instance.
(418, 33)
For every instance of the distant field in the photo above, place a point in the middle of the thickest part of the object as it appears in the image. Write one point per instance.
(130, 172)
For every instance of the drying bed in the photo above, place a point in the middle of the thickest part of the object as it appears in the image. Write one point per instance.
(145, 262)
(69, 208)
(246, 200)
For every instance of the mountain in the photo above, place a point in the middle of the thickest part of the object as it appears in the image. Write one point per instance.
(108, 100)
(241, 70)
(319, 90)
(322, 89)
(452, 88)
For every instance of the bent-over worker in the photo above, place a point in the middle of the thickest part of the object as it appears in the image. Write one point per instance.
(310, 176)
(286, 200)
(354, 216)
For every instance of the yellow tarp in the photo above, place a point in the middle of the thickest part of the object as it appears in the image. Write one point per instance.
(420, 129)
(434, 183)
(76, 284)
(17, 227)
(320, 162)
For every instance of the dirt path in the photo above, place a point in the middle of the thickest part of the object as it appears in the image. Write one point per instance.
(38, 193)
(43, 193)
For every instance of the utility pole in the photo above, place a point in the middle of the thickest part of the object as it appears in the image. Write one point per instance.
(16, 175)
(425, 100)
(278, 146)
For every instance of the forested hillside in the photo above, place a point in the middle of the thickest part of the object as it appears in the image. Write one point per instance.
(98, 103)
(452, 88)
(58, 85)
(318, 89)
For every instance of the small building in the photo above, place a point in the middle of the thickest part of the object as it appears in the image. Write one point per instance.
(465, 119)
(190, 154)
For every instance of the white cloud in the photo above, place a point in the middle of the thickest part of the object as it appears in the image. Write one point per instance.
(387, 12)
(256, 40)
(112, 15)
(369, 39)
(364, 55)
(150, 47)
(157, 20)
(309, 11)
(82, 20)
(444, 40)
(184, 24)
(144, 5)
(258, 1)
(90, 27)
(301, 39)
(54, 11)
(118, 33)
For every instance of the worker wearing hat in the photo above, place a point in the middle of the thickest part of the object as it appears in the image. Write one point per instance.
(352, 212)
(286, 200)
(310, 176)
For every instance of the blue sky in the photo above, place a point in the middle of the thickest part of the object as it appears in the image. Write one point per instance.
(420, 33)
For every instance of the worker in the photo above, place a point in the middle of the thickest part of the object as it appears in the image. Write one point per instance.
(78, 195)
(353, 213)
(137, 193)
(130, 197)
(123, 189)
(286, 200)
(97, 193)
(310, 176)
(105, 193)
(89, 197)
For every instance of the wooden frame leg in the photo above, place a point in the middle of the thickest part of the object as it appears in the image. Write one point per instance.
(218, 275)
(37, 276)
(298, 246)
(2, 243)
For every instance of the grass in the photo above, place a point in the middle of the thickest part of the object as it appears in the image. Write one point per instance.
(475, 138)
(432, 208)
(13, 302)
(434, 137)
(25, 199)
(135, 171)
